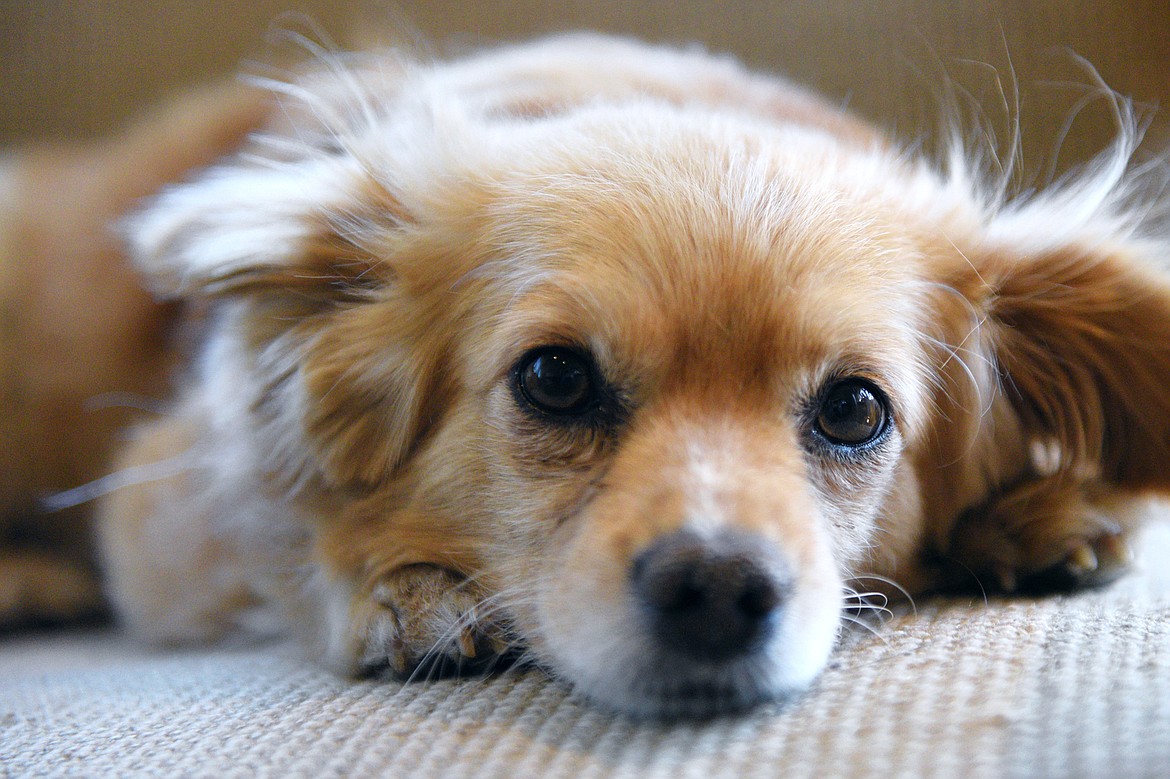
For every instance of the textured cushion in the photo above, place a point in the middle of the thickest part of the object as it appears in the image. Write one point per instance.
(1064, 686)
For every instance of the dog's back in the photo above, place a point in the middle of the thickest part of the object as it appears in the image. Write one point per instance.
(82, 343)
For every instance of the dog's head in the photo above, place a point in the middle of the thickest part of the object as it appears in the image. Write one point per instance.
(664, 374)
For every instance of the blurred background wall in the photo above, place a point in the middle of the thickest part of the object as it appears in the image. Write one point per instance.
(74, 68)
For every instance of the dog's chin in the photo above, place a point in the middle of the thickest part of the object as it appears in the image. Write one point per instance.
(663, 686)
(622, 668)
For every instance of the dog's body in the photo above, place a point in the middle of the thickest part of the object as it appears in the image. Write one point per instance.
(81, 341)
(633, 362)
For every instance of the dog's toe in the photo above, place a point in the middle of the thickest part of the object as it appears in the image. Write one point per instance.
(1092, 562)
(1043, 536)
(425, 621)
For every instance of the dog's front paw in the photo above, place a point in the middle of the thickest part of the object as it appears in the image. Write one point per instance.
(1043, 535)
(423, 620)
(1091, 560)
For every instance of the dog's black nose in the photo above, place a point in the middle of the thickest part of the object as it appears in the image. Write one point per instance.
(711, 598)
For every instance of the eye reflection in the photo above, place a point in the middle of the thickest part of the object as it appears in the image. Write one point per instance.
(556, 380)
(852, 413)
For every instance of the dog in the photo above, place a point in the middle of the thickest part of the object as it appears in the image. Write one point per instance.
(629, 363)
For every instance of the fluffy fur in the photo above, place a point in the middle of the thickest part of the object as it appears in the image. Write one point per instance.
(81, 342)
(363, 453)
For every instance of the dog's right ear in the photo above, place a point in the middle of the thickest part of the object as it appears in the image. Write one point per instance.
(289, 238)
(248, 227)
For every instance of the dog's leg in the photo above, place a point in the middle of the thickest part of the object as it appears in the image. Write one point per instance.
(39, 586)
(424, 620)
(1044, 533)
(174, 570)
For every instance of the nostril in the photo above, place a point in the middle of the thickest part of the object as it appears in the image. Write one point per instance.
(712, 598)
(686, 596)
(758, 599)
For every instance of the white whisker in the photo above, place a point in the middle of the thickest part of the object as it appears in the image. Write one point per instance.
(127, 477)
(127, 400)
(852, 620)
(886, 580)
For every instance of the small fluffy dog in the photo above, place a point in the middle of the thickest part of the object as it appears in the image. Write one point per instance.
(632, 363)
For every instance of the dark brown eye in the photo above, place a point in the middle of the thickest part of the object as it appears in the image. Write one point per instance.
(852, 413)
(556, 380)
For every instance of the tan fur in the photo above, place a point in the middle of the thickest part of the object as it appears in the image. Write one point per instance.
(79, 337)
(365, 469)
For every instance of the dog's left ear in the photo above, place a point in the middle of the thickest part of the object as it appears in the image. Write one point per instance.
(1080, 336)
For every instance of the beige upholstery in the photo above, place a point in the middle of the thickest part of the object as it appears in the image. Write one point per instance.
(1065, 686)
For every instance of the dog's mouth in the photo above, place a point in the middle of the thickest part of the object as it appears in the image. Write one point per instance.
(657, 683)
(706, 624)
(699, 692)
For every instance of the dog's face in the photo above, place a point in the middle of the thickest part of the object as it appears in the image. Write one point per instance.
(685, 410)
(661, 378)
(692, 411)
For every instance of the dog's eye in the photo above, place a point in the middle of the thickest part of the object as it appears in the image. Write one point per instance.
(556, 381)
(852, 412)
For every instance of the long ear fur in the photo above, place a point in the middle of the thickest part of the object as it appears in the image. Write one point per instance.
(242, 227)
(283, 239)
(1082, 340)
(279, 214)
(374, 378)
(1073, 290)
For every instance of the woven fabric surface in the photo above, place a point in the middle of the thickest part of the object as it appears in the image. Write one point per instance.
(1065, 686)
